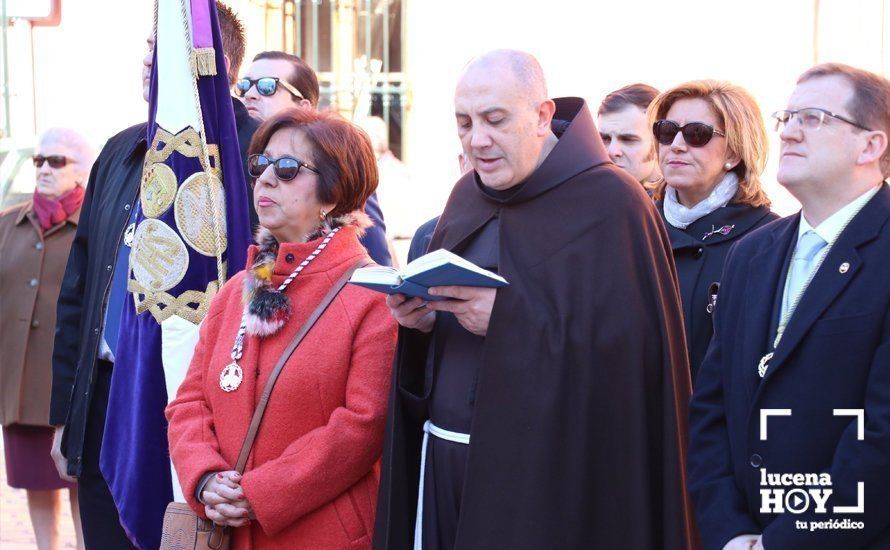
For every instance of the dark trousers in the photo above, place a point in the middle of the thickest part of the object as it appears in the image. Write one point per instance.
(101, 526)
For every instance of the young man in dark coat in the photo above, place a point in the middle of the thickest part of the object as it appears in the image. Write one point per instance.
(303, 93)
(549, 413)
(790, 424)
(82, 362)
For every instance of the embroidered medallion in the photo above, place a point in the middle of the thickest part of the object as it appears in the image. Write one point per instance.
(158, 189)
(195, 212)
(159, 258)
(230, 377)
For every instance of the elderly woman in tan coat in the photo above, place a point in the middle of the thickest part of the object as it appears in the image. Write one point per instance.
(35, 238)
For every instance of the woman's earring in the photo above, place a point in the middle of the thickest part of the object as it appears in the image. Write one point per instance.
(323, 214)
(728, 166)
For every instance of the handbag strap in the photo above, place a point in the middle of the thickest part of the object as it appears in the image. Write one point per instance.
(285, 356)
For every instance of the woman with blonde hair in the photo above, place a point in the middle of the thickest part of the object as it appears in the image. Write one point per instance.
(712, 149)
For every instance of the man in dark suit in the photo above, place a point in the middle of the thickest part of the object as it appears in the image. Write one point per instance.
(797, 378)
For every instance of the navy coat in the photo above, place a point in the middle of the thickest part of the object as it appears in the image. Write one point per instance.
(699, 253)
(421, 240)
(835, 354)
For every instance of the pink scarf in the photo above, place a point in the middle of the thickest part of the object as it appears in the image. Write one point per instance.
(51, 212)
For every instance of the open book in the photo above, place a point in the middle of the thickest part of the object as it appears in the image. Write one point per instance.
(438, 268)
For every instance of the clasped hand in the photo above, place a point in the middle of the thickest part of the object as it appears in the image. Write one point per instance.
(224, 500)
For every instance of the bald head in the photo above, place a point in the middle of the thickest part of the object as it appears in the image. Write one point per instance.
(519, 68)
(503, 117)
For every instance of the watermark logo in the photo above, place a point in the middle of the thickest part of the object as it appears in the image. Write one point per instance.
(797, 493)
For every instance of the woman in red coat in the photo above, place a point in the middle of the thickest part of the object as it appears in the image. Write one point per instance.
(311, 480)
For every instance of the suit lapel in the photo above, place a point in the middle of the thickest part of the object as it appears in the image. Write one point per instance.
(765, 274)
(837, 270)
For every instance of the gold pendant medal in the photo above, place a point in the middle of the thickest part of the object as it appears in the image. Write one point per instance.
(230, 377)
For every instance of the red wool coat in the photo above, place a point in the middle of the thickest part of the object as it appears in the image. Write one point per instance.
(312, 476)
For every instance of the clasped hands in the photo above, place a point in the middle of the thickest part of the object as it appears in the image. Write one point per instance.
(470, 305)
(224, 500)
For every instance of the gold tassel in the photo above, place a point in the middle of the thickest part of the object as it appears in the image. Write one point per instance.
(203, 62)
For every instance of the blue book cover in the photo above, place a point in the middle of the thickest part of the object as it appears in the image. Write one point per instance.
(438, 268)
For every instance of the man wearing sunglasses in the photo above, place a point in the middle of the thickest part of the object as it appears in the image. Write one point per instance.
(275, 81)
(797, 377)
(87, 318)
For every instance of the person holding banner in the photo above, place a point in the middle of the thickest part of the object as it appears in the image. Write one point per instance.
(98, 366)
(311, 481)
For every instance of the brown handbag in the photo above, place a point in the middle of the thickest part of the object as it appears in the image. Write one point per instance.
(183, 529)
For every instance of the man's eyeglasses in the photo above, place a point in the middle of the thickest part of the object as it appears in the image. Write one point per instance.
(810, 118)
(696, 134)
(285, 168)
(55, 161)
(265, 86)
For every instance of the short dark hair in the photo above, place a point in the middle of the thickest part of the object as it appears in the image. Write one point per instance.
(343, 155)
(232, 32)
(302, 78)
(870, 105)
(640, 95)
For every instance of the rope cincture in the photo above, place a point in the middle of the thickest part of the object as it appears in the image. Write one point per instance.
(205, 157)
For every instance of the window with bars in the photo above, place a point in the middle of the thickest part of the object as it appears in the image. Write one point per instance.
(356, 48)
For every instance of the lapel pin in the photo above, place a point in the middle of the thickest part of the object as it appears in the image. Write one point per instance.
(719, 231)
(845, 267)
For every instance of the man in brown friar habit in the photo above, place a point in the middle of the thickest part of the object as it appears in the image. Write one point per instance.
(550, 413)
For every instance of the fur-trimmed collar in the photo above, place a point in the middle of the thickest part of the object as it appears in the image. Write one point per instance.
(268, 309)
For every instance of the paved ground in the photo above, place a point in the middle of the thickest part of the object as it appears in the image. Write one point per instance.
(15, 524)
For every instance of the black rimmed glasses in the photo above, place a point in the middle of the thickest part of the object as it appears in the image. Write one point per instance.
(696, 134)
(55, 161)
(810, 118)
(265, 86)
(285, 168)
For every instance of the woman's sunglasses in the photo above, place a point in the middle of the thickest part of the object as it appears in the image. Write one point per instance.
(265, 86)
(55, 161)
(285, 168)
(696, 134)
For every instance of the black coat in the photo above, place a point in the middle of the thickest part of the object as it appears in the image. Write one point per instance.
(699, 258)
(578, 430)
(110, 195)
